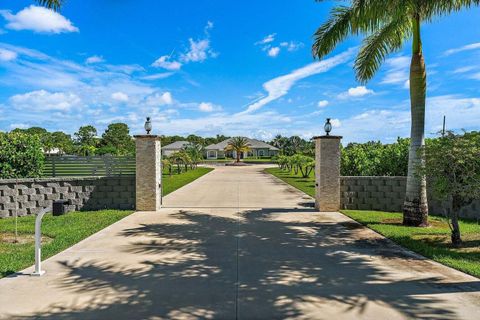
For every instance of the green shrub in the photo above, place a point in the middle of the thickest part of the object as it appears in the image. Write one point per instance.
(21, 155)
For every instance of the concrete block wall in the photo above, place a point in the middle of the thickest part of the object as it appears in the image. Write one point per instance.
(89, 193)
(388, 194)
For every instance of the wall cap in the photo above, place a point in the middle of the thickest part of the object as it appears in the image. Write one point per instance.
(147, 136)
(326, 137)
(61, 179)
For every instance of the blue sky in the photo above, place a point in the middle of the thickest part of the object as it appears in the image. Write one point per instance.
(227, 67)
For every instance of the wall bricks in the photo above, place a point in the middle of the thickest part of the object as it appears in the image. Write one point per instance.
(387, 194)
(90, 193)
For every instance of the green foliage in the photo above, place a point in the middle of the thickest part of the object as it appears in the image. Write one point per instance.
(195, 152)
(453, 168)
(298, 163)
(117, 140)
(21, 155)
(293, 145)
(375, 159)
(62, 141)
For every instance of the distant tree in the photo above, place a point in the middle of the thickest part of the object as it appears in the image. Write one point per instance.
(453, 167)
(85, 136)
(36, 131)
(62, 141)
(196, 139)
(239, 145)
(117, 139)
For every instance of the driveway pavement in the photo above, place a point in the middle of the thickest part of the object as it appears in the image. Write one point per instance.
(239, 244)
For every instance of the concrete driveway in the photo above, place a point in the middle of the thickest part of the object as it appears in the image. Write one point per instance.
(239, 244)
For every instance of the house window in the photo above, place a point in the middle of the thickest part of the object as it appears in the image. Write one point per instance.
(212, 154)
(250, 153)
(260, 153)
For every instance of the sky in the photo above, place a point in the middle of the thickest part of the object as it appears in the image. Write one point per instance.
(221, 67)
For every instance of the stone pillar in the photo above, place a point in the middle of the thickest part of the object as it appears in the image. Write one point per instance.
(327, 173)
(148, 173)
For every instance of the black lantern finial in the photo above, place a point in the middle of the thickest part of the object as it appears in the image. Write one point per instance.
(148, 125)
(328, 127)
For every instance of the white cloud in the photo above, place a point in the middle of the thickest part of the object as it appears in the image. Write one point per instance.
(464, 69)
(205, 107)
(322, 103)
(199, 51)
(472, 46)
(94, 59)
(273, 52)
(278, 87)
(42, 100)
(120, 96)
(292, 45)
(7, 55)
(356, 92)
(398, 70)
(267, 39)
(157, 76)
(159, 99)
(163, 62)
(208, 107)
(38, 19)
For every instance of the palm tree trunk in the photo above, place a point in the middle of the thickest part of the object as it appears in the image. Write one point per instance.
(415, 206)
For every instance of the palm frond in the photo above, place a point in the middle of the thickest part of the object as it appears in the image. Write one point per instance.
(51, 4)
(377, 46)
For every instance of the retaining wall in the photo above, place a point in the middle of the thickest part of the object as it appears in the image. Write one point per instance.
(387, 194)
(88, 193)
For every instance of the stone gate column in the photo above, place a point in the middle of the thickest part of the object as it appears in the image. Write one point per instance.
(148, 173)
(327, 173)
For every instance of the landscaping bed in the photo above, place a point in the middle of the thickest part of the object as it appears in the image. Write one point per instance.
(58, 234)
(432, 242)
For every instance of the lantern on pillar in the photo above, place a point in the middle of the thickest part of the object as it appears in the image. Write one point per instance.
(327, 127)
(148, 125)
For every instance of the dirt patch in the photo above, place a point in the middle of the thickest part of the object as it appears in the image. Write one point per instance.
(9, 237)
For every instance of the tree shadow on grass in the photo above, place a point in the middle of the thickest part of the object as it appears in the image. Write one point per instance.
(263, 264)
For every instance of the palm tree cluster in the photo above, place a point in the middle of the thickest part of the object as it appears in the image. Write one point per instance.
(293, 145)
(387, 25)
(187, 158)
(297, 163)
(239, 145)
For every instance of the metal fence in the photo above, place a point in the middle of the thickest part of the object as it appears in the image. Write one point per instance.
(73, 166)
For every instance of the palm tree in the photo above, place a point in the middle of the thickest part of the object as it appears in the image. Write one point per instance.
(51, 4)
(195, 151)
(386, 26)
(239, 145)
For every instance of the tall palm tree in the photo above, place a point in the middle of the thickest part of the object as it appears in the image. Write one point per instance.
(239, 145)
(386, 26)
(51, 4)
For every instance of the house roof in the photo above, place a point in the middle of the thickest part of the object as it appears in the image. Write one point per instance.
(254, 144)
(177, 145)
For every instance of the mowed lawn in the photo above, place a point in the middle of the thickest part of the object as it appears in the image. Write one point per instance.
(432, 242)
(175, 181)
(60, 233)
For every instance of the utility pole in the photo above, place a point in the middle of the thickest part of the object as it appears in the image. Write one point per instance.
(443, 130)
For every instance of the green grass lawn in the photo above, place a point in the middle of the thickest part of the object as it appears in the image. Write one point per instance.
(306, 185)
(58, 233)
(175, 181)
(432, 242)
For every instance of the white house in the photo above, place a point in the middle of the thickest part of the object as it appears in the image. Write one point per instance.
(257, 149)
